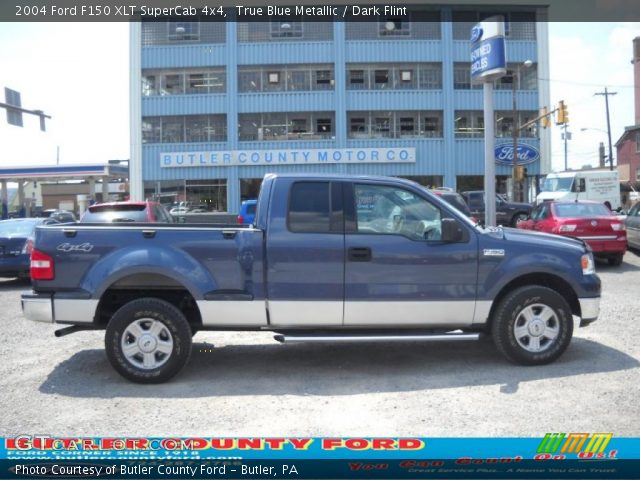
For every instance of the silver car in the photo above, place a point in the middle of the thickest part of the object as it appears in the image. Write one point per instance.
(632, 222)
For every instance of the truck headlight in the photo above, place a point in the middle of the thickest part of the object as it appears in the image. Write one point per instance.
(588, 266)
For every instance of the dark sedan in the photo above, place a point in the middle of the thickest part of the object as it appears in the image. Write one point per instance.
(16, 243)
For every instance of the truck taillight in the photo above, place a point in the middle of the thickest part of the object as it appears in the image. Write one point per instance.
(41, 266)
(240, 220)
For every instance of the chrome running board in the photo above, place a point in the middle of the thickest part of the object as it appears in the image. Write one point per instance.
(376, 338)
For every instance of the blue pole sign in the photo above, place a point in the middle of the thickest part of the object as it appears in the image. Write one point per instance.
(488, 56)
(526, 154)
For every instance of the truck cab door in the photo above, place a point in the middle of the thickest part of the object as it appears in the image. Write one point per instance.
(399, 271)
(305, 254)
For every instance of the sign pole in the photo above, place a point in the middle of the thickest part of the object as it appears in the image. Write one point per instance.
(488, 63)
(489, 157)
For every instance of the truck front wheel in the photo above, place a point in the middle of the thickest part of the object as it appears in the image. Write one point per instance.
(148, 340)
(532, 325)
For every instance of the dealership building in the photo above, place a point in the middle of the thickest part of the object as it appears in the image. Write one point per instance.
(217, 105)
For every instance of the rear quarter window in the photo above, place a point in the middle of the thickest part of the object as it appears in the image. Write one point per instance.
(309, 207)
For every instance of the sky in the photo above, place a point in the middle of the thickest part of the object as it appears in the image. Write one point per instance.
(79, 74)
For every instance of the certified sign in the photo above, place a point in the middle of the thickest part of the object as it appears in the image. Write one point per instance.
(488, 57)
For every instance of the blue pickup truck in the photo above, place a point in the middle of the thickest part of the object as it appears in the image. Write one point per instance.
(329, 258)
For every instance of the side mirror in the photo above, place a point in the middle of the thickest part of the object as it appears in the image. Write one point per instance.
(452, 231)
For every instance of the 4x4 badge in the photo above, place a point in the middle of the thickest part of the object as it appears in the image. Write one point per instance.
(493, 252)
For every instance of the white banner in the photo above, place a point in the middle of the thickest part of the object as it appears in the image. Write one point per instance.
(228, 158)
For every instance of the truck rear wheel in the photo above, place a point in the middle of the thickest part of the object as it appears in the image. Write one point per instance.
(532, 325)
(148, 340)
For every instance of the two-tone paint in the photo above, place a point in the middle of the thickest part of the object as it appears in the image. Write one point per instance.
(265, 276)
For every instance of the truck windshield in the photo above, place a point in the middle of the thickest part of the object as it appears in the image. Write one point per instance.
(557, 184)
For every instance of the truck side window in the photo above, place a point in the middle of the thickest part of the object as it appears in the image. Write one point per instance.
(390, 210)
(309, 207)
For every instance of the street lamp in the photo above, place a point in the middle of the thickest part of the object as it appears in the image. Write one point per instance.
(515, 184)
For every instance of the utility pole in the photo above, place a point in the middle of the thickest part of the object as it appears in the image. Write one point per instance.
(606, 94)
(565, 136)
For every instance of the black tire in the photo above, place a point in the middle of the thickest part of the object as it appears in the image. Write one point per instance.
(533, 300)
(616, 260)
(520, 216)
(173, 331)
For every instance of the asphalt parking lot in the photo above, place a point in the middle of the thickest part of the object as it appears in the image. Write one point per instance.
(246, 384)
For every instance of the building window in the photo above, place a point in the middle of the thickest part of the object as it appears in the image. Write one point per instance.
(637, 142)
(184, 129)
(323, 79)
(355, 79)
(638, 174)
(468, 124)
(149, 85)
(249, 81)
(381, 79)
(285, 126)
(285, 78)
(181, 31)
(462, 77)
(206, 82)
(406, 124)
(394, 76)
(179, 82)
(357, 127)
(430, 77)
(324, 126)
(286, 29)
(394, 27)
(274, 77)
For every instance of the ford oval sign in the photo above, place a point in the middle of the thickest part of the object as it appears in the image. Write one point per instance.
(476, 33)
(526, 154)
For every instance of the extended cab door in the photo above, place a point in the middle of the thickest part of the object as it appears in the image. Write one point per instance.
(305, 253)
(398, 270)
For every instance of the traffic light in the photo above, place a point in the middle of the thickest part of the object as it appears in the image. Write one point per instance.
(544, 117)
(518, 173)
(563, 114)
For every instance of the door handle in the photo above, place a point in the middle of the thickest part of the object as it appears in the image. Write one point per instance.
(229, 234)
(148, 233)
(359, 254)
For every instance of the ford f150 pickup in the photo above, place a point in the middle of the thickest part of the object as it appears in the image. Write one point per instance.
(329, 258)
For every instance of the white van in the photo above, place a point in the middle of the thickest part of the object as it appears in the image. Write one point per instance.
(598, 185)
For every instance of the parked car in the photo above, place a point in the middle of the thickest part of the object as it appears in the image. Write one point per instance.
(507, 213)
(632, 224)
(16, 244)
(590, 221)
(114, 212)
(247, 212)
(332, 258)
(62, 216)
(454, 199)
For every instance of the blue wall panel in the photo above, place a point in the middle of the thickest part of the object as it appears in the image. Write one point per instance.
(282, 53)
(286, 102)
(395, 100)
(472, 100)
(376, 51)
(183, 56)
(184, 105)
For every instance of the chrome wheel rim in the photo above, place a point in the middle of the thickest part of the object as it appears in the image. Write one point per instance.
(147, 343)
(536, 328)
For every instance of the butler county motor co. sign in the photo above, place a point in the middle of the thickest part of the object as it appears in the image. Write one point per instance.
(287, 157)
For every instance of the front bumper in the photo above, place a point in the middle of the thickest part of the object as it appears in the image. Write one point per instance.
(589, 308)
(49, 308)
